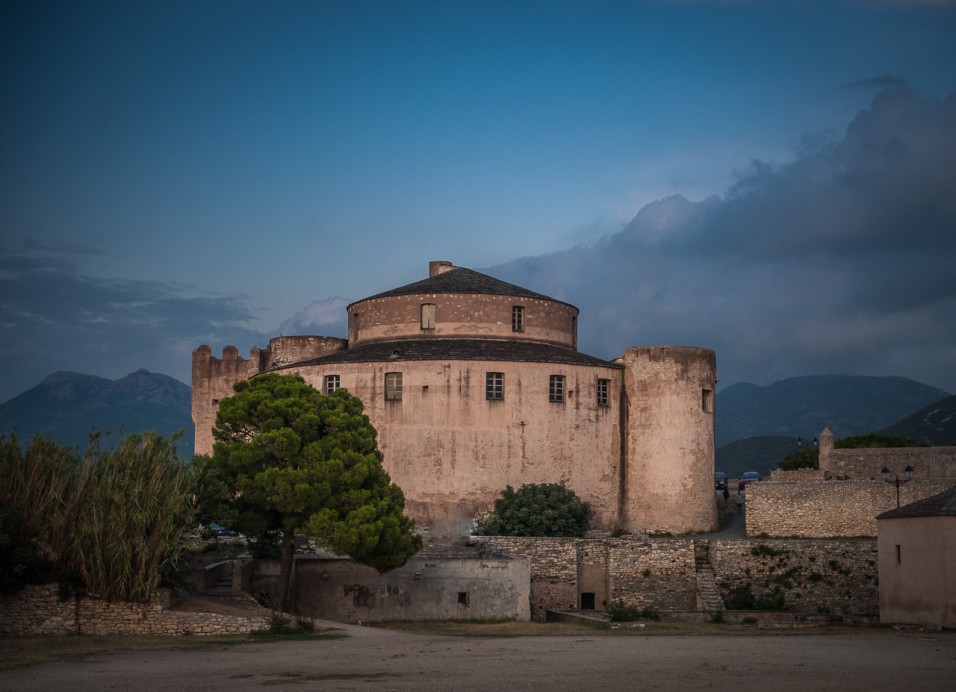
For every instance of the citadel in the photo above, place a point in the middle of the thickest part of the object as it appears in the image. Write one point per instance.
(474, 384)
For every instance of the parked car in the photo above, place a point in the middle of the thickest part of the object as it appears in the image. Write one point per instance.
(748, 478)
(222, 532)
(720, 481)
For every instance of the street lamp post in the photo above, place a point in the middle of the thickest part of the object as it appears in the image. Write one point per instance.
(907, 472)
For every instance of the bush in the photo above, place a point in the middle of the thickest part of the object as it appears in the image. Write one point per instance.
(543, 509)
(807, 458)
(622, 612)
(742, 598)
(20, 554)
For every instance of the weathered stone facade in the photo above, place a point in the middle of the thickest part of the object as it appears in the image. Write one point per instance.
(828, 508)
(832, 577)
(487, 389)
(38, 610)
(844, 496)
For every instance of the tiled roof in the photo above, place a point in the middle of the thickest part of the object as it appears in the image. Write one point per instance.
(456, 349)
(940, 505)
(463, 281)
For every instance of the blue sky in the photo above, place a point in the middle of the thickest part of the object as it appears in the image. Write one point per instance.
(773, 180)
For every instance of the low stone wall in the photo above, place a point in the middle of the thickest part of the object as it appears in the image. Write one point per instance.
(828, 509)
(835, 577)
(867, 462)
(38, 610)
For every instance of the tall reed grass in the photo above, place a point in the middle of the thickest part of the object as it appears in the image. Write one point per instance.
(112, 518)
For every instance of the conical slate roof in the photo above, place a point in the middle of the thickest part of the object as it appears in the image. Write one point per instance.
(940, 505)
(463, 281)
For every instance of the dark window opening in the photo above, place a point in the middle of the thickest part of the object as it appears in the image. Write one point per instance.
(556, 389)
(495, 386)
(899, 556)
(331, 383)
(706, 400)
(587, 600)
(603, 387)
(463, 598)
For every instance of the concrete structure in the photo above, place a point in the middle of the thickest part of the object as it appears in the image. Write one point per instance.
(445, 586)
(917, 562)
(474, 384)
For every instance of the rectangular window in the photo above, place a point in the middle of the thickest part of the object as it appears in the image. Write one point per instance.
(331, 383)
(602, 392)
(494, 386)
(428, 316)
(706, 400)
(517, 318)
(463, 598)
(393, 386)
(899, 556)
(556, 389)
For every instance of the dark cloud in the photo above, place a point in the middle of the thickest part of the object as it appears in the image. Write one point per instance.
(54, 317)
(883, 81)
(840, 261)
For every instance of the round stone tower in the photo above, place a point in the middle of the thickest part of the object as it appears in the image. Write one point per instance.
(669, 456)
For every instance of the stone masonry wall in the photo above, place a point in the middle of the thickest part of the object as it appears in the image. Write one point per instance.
(837, 577)
(553, 568)
(38, 610)
(828, 509)
(867, 463)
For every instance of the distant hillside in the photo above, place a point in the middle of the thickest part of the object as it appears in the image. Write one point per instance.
(754, 454)
(935, 424)
(803, 406)
(68, 406)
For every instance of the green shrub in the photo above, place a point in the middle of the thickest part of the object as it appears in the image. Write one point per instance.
(542, 509)
(761, 550)
(622, 612)
(743, 598)
(21, 557)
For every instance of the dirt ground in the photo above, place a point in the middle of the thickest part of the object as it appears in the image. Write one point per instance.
(656, 658)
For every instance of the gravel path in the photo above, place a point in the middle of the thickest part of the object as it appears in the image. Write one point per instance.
(376, 659)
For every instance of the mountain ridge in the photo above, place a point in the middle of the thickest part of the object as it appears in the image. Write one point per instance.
(68, 406)
(803, 406)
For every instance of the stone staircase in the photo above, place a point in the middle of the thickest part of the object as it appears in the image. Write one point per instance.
(708, 594)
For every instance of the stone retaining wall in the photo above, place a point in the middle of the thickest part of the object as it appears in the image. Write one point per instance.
(868, 462)
(38, 610)
(828, 509)
(835, 577)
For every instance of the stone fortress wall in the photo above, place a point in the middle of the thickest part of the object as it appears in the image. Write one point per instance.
(844, 497)
(836, 577)
(642, 453)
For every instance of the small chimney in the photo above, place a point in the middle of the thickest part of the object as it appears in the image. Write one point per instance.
(436, 267)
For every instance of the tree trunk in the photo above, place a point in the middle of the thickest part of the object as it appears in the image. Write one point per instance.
(285, 571)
